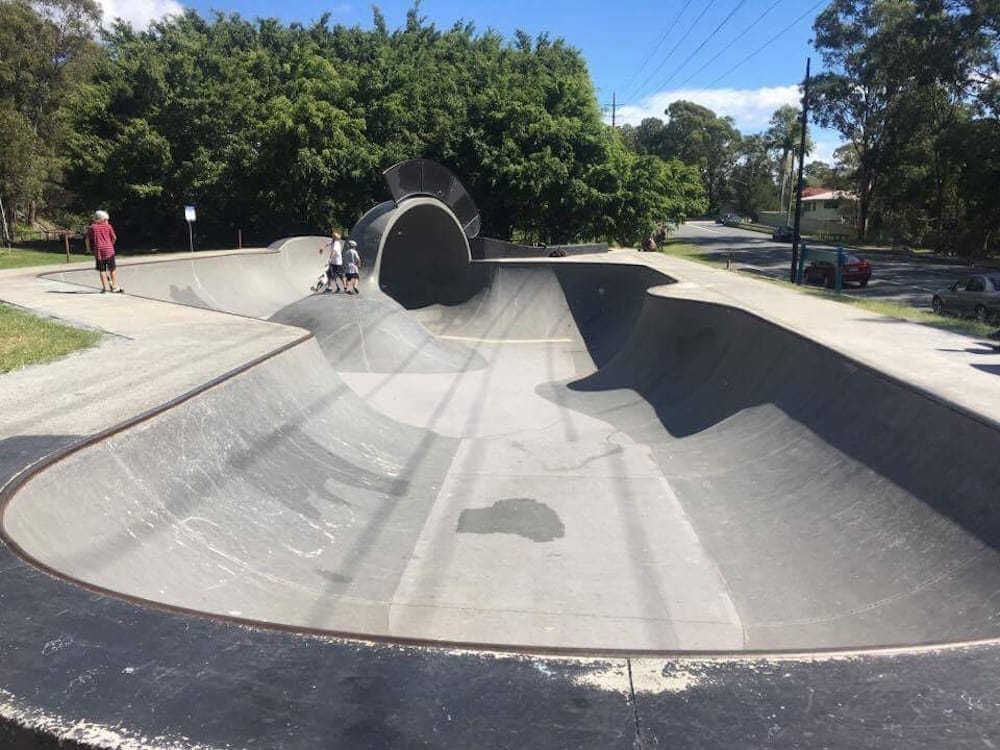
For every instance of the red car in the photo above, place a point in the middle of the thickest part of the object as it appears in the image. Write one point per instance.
(856, 271)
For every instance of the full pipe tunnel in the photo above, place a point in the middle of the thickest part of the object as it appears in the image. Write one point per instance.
(546, 454)
(418, 251)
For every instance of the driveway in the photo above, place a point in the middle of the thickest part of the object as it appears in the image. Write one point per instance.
(908, 281)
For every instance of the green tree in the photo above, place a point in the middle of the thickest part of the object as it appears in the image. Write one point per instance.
(752, 181)
(784, 135)
(278, 128)
(697, 136)
(979, 142)
(900, 74)
(646, 137)
(47, 49)
(249, 122)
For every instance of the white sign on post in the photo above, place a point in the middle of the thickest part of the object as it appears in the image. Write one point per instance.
(189, 217)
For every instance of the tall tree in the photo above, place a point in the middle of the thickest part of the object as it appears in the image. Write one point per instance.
(753, 184)
(784, 135)
(278, 128)
(47, 49)
(900, 74)
(697, 136)
(860, 93)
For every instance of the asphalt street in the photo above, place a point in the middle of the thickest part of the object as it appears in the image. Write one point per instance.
(909, 281)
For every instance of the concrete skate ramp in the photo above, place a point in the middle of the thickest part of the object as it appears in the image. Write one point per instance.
(255, 283)
(562, 459)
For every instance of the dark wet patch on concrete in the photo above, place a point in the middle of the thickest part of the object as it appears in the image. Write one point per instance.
(515, 515)
(333, 577)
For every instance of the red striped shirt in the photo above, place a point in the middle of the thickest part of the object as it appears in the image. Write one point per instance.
(102, 239)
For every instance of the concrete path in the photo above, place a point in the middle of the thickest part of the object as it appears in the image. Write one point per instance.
(151, 352)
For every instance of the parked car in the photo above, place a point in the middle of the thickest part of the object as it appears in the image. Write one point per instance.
(731, 220)
(855, 271)
(784, 233)
(977, 296)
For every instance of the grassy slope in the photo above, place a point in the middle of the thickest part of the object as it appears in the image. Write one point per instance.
(18, 258)
(26, 339)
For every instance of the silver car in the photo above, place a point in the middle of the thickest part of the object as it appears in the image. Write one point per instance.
(974, 296)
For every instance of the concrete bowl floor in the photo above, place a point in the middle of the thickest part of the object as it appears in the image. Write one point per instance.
(567, 458)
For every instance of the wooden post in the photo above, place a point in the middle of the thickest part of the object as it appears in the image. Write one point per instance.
(66, 245)
(239, 239)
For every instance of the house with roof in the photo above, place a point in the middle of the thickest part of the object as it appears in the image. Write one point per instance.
(826, 213)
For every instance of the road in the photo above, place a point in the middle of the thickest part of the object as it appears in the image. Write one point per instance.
(894, 279)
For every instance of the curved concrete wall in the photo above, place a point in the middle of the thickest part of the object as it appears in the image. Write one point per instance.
(255, 283)
(417, 250)
(595, 466)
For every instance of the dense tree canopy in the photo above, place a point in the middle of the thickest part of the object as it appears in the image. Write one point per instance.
(46, 53)
(909, 85)
(276, 129)
(695, 136)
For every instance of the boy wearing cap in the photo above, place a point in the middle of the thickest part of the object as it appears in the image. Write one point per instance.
(100, 241)
(352, 263)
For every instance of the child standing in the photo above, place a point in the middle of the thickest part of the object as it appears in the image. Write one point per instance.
(352, 261)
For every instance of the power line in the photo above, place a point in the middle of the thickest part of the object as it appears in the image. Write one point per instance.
(698, 49)
(768, 42)
(683, 37)
(656, 48)
(725, 49)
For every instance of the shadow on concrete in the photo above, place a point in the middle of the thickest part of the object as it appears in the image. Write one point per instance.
(820, 487)
(20, 451)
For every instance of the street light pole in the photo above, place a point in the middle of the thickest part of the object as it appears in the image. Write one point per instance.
(802, 157)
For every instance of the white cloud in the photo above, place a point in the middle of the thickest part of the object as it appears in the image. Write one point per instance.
(823, 151)
(139, 12)
(749, 108)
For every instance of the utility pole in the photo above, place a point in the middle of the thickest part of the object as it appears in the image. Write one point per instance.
(798, 191)
(614, 106)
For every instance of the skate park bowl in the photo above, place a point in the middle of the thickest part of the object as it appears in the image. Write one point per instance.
(542, 455)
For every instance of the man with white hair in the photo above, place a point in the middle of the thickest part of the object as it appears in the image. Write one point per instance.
(100, 241)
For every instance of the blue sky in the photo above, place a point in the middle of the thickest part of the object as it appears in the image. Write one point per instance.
(742, 58)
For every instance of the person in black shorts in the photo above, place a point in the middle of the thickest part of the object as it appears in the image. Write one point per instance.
(335, 264)
(100, 240)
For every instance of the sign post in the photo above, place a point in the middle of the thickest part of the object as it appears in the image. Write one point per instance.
(189, 217)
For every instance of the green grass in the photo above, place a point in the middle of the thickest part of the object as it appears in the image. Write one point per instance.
(914, 315)
(895, 310)
(26, 339)
(18, 258)
(681, 249)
